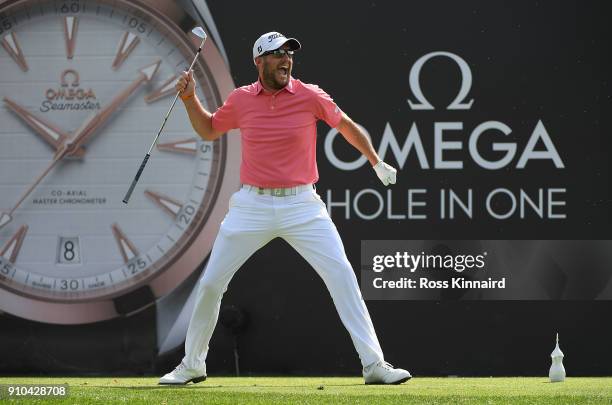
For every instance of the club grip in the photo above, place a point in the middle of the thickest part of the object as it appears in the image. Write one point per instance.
(142, 166)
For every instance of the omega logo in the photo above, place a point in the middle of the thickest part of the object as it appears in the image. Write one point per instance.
(401, 146)
(466, 83)
(71, 72)
(69, 96)
(69, 88)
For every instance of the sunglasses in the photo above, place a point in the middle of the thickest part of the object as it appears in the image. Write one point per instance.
(279, 53)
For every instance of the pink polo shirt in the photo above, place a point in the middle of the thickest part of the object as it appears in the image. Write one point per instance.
(279, 131)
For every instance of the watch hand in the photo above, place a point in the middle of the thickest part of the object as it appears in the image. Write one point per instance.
(89, 129)
(6, 217)
(47, 131)
(68, 146)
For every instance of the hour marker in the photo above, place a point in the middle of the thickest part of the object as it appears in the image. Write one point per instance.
(70, 29)
(164, 90)
(10, 43)
(167, 204)
(126, 45)
(188, 146)
(11, 249)
(127, 248)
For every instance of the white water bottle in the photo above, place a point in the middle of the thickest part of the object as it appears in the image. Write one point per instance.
(557, 371)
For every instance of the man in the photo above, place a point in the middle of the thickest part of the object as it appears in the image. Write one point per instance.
(277, 116)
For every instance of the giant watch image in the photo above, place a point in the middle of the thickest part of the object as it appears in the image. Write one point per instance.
(71, 252)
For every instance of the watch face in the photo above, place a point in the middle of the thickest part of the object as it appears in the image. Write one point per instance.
(102, 72)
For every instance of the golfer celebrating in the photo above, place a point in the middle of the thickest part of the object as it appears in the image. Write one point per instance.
(277, 117)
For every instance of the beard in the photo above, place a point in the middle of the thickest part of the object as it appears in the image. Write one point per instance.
(273, 79)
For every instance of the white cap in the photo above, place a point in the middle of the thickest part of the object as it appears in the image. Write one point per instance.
(271, 41)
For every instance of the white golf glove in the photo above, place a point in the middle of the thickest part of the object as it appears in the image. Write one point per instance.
(385, 173)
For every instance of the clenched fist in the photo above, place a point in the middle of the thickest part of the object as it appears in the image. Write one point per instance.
(186, 84)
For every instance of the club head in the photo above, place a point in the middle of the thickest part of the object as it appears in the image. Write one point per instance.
(199, 32)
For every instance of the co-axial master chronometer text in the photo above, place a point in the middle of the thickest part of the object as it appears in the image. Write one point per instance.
(82, 87)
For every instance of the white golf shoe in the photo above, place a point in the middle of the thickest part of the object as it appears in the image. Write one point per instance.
(182, 375)
(382, 372)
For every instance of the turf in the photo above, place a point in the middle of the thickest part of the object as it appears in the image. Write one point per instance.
(327, 390)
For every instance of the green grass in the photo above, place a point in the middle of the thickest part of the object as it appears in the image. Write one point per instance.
(327, 390)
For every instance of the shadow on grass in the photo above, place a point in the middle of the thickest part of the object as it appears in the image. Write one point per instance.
(206, 387)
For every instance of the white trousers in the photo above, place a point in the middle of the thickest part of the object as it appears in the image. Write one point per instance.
(302, 220)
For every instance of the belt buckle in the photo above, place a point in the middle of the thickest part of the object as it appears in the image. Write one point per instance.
(278, 192)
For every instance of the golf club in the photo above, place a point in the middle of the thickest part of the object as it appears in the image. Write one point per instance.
(199, 32)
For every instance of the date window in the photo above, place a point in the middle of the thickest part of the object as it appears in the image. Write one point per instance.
(69, 251)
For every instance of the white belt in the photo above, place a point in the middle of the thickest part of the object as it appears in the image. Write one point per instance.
(278, 192)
